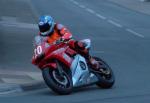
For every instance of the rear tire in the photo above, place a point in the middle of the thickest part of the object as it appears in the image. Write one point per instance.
(105, 81)
(60, 85)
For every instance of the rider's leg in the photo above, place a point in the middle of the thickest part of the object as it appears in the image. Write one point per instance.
(82, 47)
(91, 61)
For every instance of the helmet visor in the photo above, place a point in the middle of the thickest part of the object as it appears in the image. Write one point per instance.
(44, 28)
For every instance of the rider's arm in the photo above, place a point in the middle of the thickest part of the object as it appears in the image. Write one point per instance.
(76, 44)
(64, 32)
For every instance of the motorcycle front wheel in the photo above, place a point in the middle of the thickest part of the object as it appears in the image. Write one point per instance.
(105, 75)
(60, 84)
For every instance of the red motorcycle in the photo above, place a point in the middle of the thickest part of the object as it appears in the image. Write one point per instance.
(63, 68)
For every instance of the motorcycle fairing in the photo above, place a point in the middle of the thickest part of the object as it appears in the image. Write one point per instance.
(87, 42)
(80, 72)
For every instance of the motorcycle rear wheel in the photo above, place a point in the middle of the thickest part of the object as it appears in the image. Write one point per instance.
(59, 84)
(105, 80)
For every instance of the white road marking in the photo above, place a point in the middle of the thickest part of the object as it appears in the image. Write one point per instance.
(82, 6)
(90, 10)
(100, 16)
(11, 88)
(11, 91)
(12, 22)
(19, 25)
(9, 19)
(19, 73)
(17, 80)
(35, 76)
(114, 23)
(75, 2)
(135, 33)
(104, 18)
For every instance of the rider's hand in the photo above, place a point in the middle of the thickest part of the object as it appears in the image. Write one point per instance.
(62, 39)
(59, 41)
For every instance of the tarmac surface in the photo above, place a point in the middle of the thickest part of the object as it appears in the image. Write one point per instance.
(119, 35)
(142, 6)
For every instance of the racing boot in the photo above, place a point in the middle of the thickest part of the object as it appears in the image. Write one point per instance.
(93, 63)
(81, 48)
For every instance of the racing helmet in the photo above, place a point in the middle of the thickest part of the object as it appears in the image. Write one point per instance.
(46, 25)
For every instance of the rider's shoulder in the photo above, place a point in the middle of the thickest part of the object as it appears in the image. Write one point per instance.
(38, 39)
(60, 26)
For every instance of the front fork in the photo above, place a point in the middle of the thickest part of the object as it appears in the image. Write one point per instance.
(59, 68)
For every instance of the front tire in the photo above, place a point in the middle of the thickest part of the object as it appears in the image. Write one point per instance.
(106, 79)
(60, 84)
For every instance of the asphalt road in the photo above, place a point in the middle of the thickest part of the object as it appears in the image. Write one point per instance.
(119, 35)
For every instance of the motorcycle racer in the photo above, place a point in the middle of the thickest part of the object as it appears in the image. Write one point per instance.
(50, 32)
